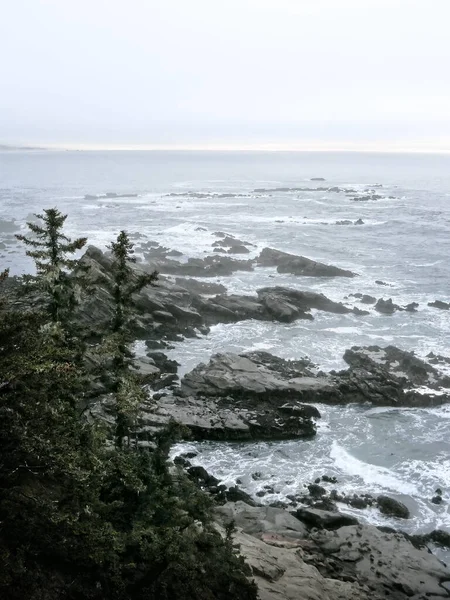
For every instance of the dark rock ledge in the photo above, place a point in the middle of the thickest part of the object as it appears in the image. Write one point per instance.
(187, 307)
(260, 396)
(254, 395)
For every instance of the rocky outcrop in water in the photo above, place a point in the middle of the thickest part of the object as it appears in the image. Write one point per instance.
(231, 419)
(234, 245)
(396, 365)
(204, 195)
(394, 508)
(335, 189)
(108, 196)
(210, 266)
(221, 416)
(271, 304)
(158, 257)
(299, 265)
(386, 307)
(364, 298)
(440, 304)
(348, 222)
(256, 375)
(186, 307)
(384, 377)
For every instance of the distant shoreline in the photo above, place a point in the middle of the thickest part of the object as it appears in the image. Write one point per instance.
(225, 149)
(12, 148)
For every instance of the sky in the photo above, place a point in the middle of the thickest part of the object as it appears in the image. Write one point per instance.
(263, 74)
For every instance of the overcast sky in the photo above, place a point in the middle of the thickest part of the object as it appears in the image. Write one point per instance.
(226, 73)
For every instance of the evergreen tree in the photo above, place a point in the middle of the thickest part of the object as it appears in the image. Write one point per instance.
(50, 250)
(48, 455)
(3, 276)
(126, 282)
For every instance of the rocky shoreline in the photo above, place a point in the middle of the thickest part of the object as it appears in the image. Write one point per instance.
(313, 552)
(306, 549)
(255, 396)
(294, 557)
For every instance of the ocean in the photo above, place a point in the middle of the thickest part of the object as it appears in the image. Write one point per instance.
(404, 241)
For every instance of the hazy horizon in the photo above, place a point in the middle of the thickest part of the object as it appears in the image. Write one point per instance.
(292, 75)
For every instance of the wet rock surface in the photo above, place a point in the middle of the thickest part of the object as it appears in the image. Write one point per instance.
(271, 304)
(395, 508)
(210, 266)
(247, 377)
(229, 419)
(328, 559)
(186, 307)
(440, 304)
(396, 363)
(384, 377)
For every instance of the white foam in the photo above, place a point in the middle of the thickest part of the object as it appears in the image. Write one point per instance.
(429, 391)
(353, 330)
(370, 474)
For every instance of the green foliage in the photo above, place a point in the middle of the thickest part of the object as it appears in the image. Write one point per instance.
(129, 398)
(50, 250)
(81, 518)
(126, 283)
